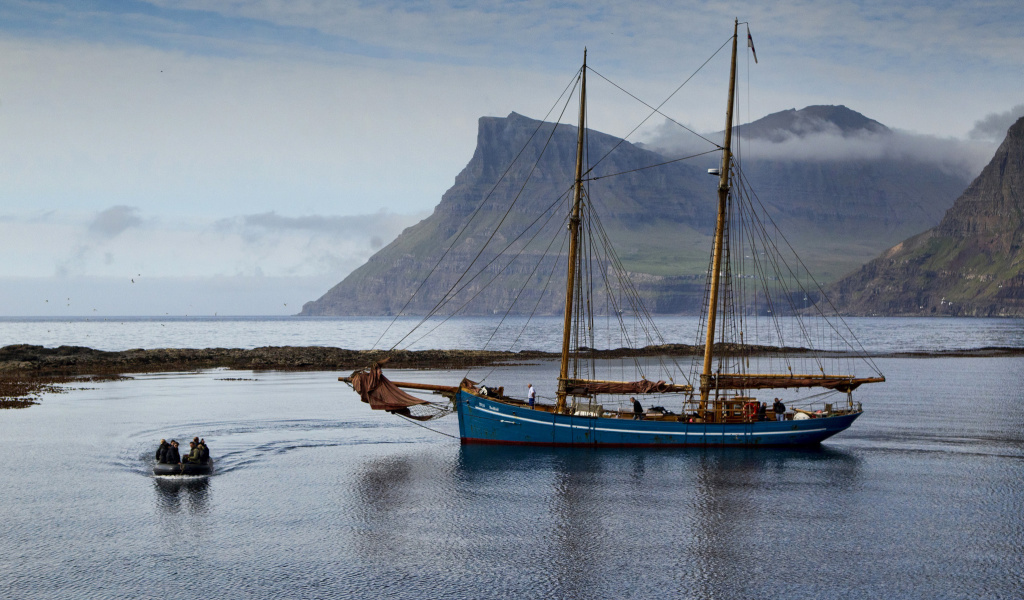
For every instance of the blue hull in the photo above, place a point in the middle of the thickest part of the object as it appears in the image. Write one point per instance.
(485, 421)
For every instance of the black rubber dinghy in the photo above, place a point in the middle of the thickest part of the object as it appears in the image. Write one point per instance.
(205, 468)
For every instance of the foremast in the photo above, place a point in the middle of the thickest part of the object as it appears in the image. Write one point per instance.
(716, 261)
(574, 236)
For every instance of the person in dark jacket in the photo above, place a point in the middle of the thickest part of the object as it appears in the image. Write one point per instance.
(638, 411)
(161, 452)
(204, 452)
(780, 410)
(762, 411)
(172, 457)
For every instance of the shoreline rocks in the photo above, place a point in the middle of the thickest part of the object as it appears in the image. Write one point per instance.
(27, 371)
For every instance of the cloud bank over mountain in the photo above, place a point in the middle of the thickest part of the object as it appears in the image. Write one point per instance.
(816, 139)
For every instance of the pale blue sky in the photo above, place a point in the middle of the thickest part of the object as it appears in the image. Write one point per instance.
(278, 143)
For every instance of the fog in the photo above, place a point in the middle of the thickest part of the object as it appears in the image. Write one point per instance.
(961, 157)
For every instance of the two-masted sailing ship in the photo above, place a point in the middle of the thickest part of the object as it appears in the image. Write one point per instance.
(715, 405)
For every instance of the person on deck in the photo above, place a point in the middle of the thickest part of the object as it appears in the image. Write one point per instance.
(531, 394)
(638, 411)
(780, 410)
(172, 457)
(762, 409)
(161, 452)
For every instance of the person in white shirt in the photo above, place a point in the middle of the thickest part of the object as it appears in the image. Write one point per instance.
(531, 394)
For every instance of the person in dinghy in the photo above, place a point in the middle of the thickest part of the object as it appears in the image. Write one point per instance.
(170, 462)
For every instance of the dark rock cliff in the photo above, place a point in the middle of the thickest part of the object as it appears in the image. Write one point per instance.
(971, 264)
(660, 220)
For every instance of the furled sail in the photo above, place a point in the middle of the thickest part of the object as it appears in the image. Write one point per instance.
(739, 381)
(587, 387)
(380, 393)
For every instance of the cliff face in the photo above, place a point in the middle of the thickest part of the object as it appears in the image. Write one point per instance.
(971, 264)
(657, 204)
(659, 220)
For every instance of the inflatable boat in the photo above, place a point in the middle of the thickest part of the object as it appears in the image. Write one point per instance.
(205, 468)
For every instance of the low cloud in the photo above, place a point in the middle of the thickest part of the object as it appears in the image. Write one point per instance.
(962, 158)
(994, 125)
(119, 243)
(113, 221)
(324, 237)
(382, 223)
(118, 262)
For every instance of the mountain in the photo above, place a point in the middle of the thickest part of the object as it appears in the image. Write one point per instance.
(838, 214)
(971, 264)
(827, 119)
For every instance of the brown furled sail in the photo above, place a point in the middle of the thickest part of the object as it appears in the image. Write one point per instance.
(380, 393)
(587, 387)
(737, 381)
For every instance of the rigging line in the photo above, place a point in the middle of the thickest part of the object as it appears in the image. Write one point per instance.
(450, 295)
(758, 229)
(838, 316)
(445, 297)
(809, 399)
(529, 277)
(799, 321)
(657, 110)
(476, 211)
(482, 288)
(540, 260)
(661, 164)
(585, 314)
(632, 295)
(696, 361)
(536, 305)
(418, 424)
(619, 312)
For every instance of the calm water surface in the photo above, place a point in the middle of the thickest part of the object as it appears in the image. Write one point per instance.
(543, 333)
(317, 497)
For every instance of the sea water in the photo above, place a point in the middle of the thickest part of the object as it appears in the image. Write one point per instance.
(315, 496)
(477, 333)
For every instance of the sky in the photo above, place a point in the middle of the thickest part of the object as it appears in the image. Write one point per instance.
(235, 157)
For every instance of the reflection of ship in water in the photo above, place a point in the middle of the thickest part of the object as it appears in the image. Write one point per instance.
(702, 510)
(570, 518)
(400, 513)
(174, 492)
(740, 502)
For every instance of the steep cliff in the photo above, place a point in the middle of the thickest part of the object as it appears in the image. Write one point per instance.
(838, 215)
(971, 264)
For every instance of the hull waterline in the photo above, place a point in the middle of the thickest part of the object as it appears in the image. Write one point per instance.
(485, 421)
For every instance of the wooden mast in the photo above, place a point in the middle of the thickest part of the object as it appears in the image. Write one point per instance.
(716, 262)
(574, 235)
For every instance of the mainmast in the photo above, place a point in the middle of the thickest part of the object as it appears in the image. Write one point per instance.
(716, 261)
(574, 236)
